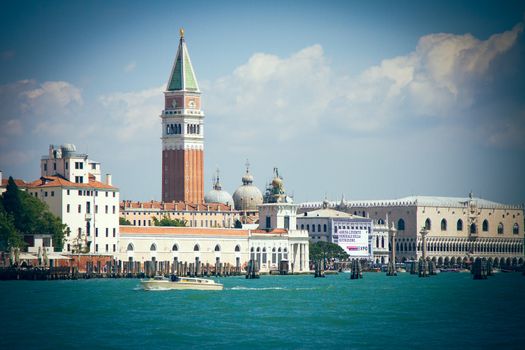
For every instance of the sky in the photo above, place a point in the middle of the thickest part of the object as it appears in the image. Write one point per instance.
(370, 100)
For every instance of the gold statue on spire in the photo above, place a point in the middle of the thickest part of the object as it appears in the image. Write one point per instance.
(181, 31)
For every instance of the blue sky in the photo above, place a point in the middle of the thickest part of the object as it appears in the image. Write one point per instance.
(372, 100)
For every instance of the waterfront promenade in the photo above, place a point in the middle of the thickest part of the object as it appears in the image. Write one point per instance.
(448, 311)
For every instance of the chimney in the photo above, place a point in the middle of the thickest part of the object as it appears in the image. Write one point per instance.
(108, 179)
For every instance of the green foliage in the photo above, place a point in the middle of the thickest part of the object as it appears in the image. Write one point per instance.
(9, 236)
(166, 221)
(123, 221)
(29, 216)
(325, 251)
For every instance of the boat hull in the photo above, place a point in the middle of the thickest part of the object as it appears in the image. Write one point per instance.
(168, 285)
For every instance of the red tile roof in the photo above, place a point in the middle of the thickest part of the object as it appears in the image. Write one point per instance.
(174, 206)
(165, 230)
(56, 181)
(18, 182)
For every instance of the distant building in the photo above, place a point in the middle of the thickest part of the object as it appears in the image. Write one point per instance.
(460, 229)
(355, 234)
(211, 215)
(275, 242)
(70, 185)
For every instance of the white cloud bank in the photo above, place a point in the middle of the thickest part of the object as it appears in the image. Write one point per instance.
(288, 97)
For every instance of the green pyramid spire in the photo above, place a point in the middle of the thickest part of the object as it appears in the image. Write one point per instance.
(182, 75)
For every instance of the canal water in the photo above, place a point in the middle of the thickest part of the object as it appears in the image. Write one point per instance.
(448, 311)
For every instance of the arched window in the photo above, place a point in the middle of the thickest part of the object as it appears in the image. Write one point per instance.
(175, 248)
(217, 248)
(237, 248)
(485, 226)
(302, 226)
(380, 222)
(428, 224)
(319, 228)
(153, 247)
(324, 228)
(308, 227)
(443, 225)
(274, 256)
(264, 257)
(500, 228)
(285, 254)
(383, 242)
(473, 228)
(400, 225)
(377, 242)
(313, 228)
(516, 229)
(130, 247)
(459, 225)
(196, 248)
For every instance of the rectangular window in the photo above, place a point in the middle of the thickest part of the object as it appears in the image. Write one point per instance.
(114, 194)
(93, 166)
(114, 248)
(79, 165)
(107, 193)
(96, 193)
(68, 247)
(67, 208)
(96, 248)
(96, 209)
(80, 192)
(268, 222)
(144, 222)
(54, 166)
(134, 223)
(114, 232)
(79, 208)
(107, 249)
(67, 192)
(113, 209)
(52, 193)
(106, 209)
(45, 166)
(88, 207)
(287, 222)
(67, 165)
(45, 194)
(107, 232)
(96, 232)
(88, 229)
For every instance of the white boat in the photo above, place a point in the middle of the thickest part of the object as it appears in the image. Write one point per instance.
(180, 283)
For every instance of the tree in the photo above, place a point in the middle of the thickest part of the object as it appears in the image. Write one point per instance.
(325, 251)
(166, 221)
(123, 221)
(9, 236)
(29, 216)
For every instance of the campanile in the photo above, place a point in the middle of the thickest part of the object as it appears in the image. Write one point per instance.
(182, 133)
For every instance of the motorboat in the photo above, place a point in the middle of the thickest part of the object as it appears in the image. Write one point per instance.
(180, 283)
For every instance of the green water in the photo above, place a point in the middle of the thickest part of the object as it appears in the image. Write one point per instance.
(293, 312)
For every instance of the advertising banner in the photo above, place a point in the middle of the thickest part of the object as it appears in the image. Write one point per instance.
(354, 242)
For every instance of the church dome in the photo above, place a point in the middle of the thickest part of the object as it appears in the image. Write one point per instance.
(247, 197)
(217, 195)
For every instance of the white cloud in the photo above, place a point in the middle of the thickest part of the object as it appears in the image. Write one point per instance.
(133, 113)
(130, 67)
(290, 97)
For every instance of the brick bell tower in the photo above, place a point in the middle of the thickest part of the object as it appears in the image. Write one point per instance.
(182, 133)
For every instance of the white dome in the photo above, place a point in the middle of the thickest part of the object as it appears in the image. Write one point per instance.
(219, 196)
(247, 198)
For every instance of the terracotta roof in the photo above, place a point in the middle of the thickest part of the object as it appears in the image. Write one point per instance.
(166, 230)
(278, 231)
(56, 181)
(18, 182)
(174, 206)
